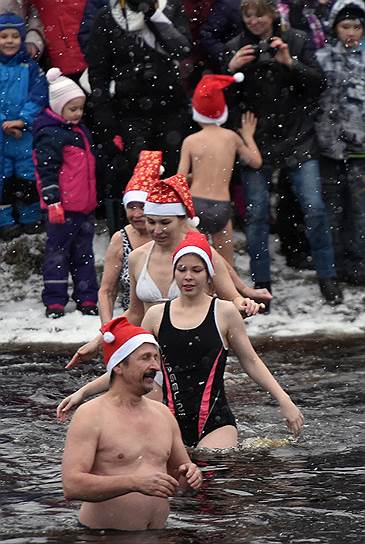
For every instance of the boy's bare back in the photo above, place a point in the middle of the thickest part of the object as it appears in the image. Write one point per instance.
(209, 155)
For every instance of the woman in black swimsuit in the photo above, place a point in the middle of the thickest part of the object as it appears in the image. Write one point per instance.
(194, 332)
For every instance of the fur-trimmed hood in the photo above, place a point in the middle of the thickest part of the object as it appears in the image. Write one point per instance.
(340, 5)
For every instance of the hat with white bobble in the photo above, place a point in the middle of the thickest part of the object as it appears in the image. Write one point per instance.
(120, 339)
(209, 102)
(61, 90)
(146, 172)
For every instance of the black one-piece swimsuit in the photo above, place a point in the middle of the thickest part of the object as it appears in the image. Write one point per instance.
(194, 361)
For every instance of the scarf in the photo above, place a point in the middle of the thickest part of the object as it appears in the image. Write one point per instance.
(132, 21)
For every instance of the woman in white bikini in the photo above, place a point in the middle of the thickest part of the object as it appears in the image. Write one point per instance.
(168, 211)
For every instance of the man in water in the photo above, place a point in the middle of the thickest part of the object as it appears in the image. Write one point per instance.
(124, 455)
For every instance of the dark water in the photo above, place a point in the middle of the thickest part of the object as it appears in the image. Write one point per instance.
(308, 492)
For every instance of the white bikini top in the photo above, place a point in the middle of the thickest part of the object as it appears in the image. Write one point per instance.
(147, 290)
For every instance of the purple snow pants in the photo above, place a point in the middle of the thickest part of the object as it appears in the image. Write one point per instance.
(69, 248)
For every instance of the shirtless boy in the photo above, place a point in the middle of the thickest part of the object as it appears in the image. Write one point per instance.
(209, 156)
(124, 455)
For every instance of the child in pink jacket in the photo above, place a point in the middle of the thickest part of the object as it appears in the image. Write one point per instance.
(65, 171)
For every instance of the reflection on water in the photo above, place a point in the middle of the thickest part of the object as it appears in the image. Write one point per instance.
(266, 491)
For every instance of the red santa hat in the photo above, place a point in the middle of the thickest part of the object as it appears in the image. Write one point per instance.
(197, 243)
(209, 103)
(147, 170)
(171, 196)
(120, 339)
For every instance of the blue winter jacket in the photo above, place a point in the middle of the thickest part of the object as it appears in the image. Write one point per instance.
(23, 88)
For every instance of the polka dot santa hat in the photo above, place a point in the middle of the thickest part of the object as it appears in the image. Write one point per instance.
(171, 197)
(146, 172)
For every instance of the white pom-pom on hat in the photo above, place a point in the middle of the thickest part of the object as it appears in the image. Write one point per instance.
(193, 221)
(238, 77)
(53, 74)
(108, 337)
(162, 170)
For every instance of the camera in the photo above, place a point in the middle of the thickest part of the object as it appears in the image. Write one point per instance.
(263, 51)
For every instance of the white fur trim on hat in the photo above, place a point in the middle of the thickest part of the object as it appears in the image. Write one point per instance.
(108, 337)
(128, 347)
(169, 209)
(238, 77)
(61, 90)
(199, 118)
(198, 251)
(134, 196)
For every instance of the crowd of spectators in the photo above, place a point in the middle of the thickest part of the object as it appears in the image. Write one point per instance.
(138, 62)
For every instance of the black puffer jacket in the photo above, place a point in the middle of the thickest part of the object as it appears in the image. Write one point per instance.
(284, 99)
(147, 79)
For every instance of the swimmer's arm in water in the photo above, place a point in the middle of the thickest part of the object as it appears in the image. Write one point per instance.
(179, 464)
(95, 387)
(252, 364)
(246, 145)
(79, 457)
(109, 284)
(225, 288)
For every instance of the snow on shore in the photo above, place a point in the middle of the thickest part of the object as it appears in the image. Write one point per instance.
(297, 310)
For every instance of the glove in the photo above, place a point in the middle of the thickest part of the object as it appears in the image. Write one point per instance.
(56, 214)
(118, 142)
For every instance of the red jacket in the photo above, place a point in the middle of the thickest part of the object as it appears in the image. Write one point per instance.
(61, 20)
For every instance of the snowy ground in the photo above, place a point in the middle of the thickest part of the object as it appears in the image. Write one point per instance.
(297, 309)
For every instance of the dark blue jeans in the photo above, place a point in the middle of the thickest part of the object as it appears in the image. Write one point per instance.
(69, 249)
(344, 195)
(306, 184)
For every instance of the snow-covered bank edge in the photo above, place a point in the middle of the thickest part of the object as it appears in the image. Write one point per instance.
(307, 342)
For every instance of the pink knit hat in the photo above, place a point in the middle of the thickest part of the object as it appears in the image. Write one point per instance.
(61, 90)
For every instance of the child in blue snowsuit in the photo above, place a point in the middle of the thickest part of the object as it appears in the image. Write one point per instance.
(23, 94)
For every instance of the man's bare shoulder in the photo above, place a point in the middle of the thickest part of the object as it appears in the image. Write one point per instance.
(161, 409)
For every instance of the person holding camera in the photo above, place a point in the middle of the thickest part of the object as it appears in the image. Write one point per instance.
(282, 84)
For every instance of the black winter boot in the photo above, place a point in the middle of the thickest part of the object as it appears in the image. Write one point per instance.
(331, 290)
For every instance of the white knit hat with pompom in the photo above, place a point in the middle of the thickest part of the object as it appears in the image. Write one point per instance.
(61, 90)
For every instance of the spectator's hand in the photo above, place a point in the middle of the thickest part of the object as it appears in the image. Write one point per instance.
(56, 214)
(33, 50)
(191, 475)
(67, 404)
(248, 126)
(292, 415)
(14, 133)
(86, 352)
(246, 306)
(282, 56)
(243, 56)
(13, 128)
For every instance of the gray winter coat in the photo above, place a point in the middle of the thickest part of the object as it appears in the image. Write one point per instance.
(340, 124)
